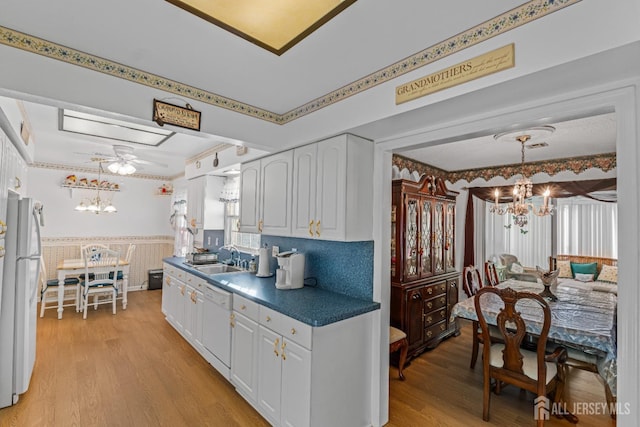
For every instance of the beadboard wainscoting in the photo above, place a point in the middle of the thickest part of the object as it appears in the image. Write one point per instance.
(148, 254)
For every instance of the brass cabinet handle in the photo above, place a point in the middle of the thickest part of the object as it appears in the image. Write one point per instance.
(182, 289)
(238, 225)
(284, 356)
(194, 297)
(443, 300)
(275, 346)
(168, 281)
(18, 183)
(429, 291)
(429, 333)
(2, 251)
(260, 225)
(311, 228)
(429, 304)
(415, 297)
(268, 319)
(232, 320)
(442, 327)
(429, 319)
(243, 307)
(3, 227)
(293, 331)
(318, 228)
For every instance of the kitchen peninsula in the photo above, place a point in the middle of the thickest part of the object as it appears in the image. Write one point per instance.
(300, 357)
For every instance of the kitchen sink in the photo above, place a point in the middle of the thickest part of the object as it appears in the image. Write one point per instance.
(216, 268)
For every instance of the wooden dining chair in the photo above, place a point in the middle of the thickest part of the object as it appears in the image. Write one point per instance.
(508, 363)
(50, 287)
(471, 284)
(101, 268)
(491, 273)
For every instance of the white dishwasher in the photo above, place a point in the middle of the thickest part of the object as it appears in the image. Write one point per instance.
(216, 328)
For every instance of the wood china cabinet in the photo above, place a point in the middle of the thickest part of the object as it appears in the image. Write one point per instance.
(424, 281)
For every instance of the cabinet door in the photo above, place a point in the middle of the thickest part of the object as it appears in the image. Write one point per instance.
(194, 303)
(178, 304)
(195, 201)
(304, 191)
(411, 237)
(296, 385)
(449, 237)
(249, 196)
(414, 319)
(167, 283)
(244, 356)
(276, 185)
(331, 190)
(270, 375)
(438, 237)
(426, 251)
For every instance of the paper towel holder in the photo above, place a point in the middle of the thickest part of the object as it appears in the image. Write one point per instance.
(263, 263)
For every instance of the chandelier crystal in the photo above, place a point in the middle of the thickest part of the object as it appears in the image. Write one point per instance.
(521, 206)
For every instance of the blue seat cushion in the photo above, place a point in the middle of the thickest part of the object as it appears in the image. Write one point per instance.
(120, 275)
(67, 281)
(91, 276)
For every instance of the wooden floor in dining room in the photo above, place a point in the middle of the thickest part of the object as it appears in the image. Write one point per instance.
(133, 369)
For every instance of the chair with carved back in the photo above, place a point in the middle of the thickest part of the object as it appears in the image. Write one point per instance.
(103, 265)
(471, 284)
(508, 363)
(491, 273)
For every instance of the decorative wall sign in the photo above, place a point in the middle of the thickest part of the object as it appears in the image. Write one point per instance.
(480, 66)
(185, 117)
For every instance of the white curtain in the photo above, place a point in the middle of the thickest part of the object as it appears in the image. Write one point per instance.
(531, 243)
(587, 227)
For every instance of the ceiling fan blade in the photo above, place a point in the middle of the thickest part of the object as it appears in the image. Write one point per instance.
(148, 162)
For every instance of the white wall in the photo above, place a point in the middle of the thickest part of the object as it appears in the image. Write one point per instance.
(140, 211)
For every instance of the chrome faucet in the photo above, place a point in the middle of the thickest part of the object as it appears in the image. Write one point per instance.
(231, 250)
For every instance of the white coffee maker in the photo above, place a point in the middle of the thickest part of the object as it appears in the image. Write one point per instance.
(290, 272)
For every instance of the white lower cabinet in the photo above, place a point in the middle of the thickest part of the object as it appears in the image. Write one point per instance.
(244, 361)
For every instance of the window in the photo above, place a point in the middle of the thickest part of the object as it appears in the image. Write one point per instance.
(587, 227)
(245, 242)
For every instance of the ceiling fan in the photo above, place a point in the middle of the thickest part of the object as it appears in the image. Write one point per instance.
(122, 161)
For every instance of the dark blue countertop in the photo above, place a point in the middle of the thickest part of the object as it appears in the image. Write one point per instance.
(313, 306)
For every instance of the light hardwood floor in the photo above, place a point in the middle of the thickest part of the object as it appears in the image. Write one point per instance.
(133, 369)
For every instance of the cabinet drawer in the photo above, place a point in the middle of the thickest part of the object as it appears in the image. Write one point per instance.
(434, 290)
(169, 270)
(195, 282)
(246, 307)
(435, 330)
(434, 317)
(435, 303)
(286, 326)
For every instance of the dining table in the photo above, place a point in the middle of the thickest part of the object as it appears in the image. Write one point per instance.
(583, 318)
(75, 267)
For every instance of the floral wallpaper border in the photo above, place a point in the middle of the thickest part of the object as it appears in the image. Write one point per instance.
(604, 162)
(502, 23)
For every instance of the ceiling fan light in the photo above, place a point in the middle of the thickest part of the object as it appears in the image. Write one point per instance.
(93, 207)
(114, 167)
(127, 169)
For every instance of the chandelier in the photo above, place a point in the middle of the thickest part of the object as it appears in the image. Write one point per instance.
(520, 206)
(96, 204)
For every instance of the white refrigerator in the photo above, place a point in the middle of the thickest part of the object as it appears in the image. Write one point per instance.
(19, 297)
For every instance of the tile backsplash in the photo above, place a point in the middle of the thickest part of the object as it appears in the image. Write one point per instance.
(342, 267)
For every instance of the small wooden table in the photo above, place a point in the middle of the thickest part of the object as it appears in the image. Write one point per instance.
(75, 267)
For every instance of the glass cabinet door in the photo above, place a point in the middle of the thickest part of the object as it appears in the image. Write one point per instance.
(450, 237)
(438, 237)
(425, 238)
(411, 238)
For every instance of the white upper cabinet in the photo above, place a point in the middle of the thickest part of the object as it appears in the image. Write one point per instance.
(249, 197)
(195, 201)
(276, 185)
(332, 190)
(321, 191)
(265, 195)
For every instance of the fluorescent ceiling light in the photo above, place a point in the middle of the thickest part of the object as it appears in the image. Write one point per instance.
(275, 25)
(116, 130)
